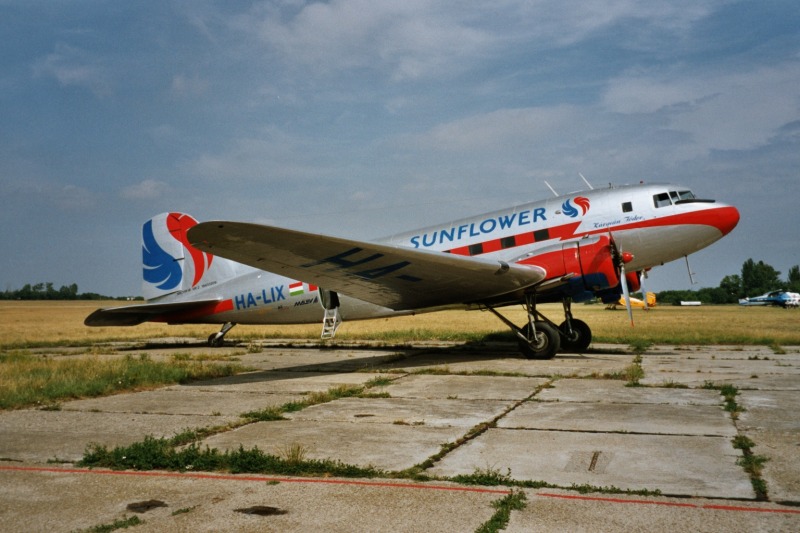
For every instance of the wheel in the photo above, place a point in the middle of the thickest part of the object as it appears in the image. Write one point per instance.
(216, 340)
(579, 339)
(544, 346)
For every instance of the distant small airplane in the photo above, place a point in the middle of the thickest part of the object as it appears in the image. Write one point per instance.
(647, 303)
(778, 298)
(570, 248)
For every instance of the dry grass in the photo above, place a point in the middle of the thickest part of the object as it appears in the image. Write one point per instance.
(25, 324)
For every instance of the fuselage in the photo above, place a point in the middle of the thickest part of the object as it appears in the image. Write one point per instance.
(656, 223)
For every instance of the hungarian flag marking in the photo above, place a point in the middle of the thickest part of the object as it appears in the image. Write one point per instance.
(296, 288)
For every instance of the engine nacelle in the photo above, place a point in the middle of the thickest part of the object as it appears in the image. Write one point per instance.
(589, 260)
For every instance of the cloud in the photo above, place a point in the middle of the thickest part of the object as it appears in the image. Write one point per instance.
(146, 190)
(183, 85)
(406, 40)
(71, 66)
(722, 110)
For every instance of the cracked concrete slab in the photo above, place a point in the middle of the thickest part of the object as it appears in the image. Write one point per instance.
(183, 401)
(675, 465)
(430, 413)
(499, 362)
(29, 435)
(617, 391)
(57, 500)
(390, 447)
(770, 421)
(462, 387)
(555, 510)
(622, 418)
(282, 382)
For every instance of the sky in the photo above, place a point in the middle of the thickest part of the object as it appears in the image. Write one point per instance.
(361, 118)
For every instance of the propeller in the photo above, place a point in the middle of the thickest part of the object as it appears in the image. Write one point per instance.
(642, 277)
(620, 258)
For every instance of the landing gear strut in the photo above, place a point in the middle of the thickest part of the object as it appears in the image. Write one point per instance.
(575, 334)
(218, 339)
(540, 338)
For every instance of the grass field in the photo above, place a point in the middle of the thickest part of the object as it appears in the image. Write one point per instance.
(42, 378)
(42, 324)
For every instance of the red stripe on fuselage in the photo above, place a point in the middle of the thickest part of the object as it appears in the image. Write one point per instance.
(722, 218)
(203, 311)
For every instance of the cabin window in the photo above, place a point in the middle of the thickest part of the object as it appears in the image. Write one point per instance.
(508, 242)
(661, 200)
(627, 207)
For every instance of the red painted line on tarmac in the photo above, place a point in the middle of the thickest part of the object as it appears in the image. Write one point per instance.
(613, 500)
(714, 507)
(749, 509)
(239, 477)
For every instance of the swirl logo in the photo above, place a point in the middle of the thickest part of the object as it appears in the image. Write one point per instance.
(159, 266)
(162, 256)
(571, 211)
(178, 224)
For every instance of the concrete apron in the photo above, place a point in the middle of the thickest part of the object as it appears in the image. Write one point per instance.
(544, 427)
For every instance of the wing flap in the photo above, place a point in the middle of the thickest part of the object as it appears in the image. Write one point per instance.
(396, 277)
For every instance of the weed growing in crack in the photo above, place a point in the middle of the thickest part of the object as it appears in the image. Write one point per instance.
(488, 476)
(122, 523)
(634, 372)
(515, 501)
(752, 464)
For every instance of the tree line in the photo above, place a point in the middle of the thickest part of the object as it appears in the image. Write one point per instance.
(46, 291)
(755, 279)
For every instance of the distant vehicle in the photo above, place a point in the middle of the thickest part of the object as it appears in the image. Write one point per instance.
(778, 298)
(647, 303)
(567, 249)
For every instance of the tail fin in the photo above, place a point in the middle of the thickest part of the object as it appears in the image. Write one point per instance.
(170, 263)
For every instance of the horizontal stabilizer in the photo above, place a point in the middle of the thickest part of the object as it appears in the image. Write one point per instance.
(132, 315)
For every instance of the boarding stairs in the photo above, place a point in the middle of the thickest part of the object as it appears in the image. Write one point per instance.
(330, 323)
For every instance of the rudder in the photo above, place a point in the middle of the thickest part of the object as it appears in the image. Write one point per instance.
(170, 264)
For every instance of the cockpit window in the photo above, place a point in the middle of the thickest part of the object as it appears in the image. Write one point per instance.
(673, 197)
(661, 200)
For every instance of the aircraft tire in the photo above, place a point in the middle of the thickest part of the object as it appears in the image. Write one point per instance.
(547, 344)
(215, 341)
(580, 338)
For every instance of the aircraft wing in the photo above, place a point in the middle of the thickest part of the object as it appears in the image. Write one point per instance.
(399, 278)
(132, 315)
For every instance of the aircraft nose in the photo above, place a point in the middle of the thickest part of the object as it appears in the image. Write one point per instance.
(726, 219)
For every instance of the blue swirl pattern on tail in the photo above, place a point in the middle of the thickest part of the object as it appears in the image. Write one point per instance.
(159, 266)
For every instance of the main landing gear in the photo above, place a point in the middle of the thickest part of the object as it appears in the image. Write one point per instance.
(540, 338)
(218, 339)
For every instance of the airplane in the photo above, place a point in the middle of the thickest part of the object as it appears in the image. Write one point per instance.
(571, 248)
(783, 299)
(648, 302)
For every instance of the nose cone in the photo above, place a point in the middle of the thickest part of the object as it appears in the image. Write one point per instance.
(726, 218)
